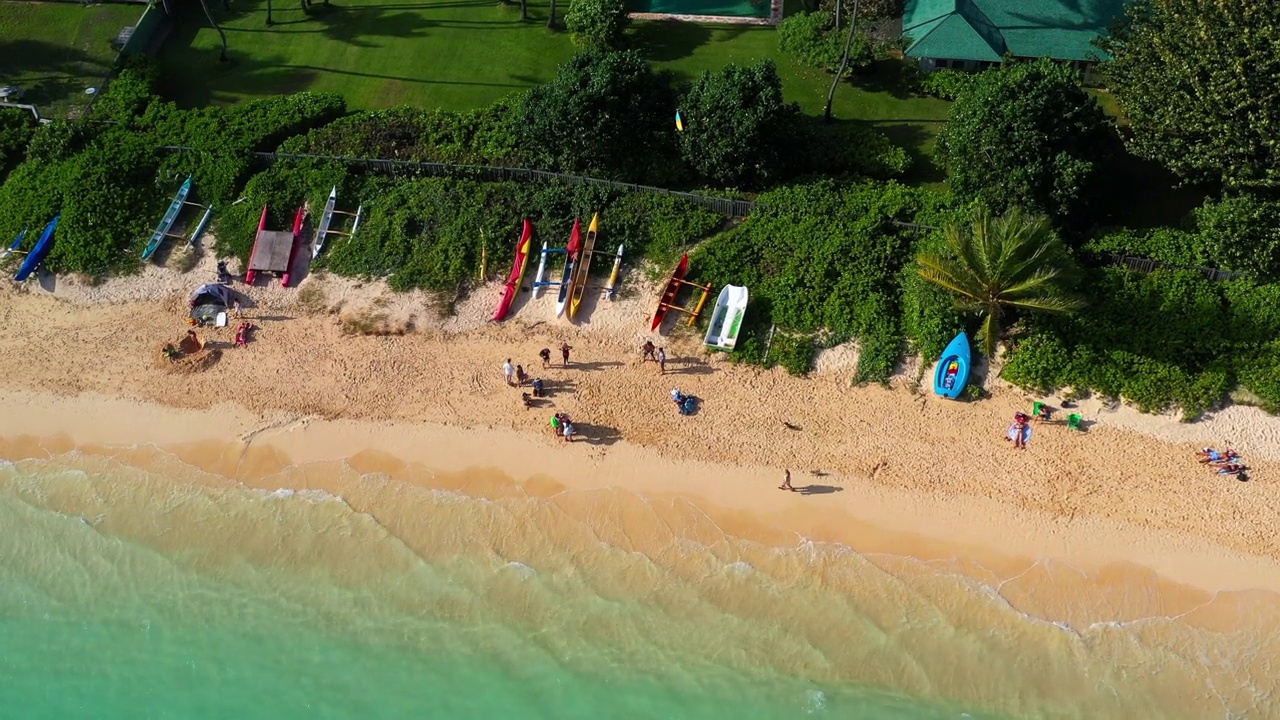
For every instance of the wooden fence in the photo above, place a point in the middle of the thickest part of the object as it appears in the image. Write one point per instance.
(1146, 265)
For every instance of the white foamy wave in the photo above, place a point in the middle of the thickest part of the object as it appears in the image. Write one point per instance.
(741, 567)
(815, 701)
(315, 496)
(522, 571)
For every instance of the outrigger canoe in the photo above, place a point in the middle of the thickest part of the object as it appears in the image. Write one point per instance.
(571, 256)
(326, 219)
(726, 319)
(517, 272)
(39, 252)
(669, 294)
(579, 284)
(166, 222)
(611, 290)
(274, 250)
(13, 248)
(953, 369)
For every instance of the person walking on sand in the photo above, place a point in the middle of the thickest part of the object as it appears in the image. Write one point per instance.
(564, 353)
(509, 371)
(786, 482)
(646, 351)
(545, 354)
(521, 376)
(662, 361)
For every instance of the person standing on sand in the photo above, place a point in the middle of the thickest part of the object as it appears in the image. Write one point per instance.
(509, 371)
(545, 354)
(786, 482)
(564, 353)
(646, 351)
(662, 361)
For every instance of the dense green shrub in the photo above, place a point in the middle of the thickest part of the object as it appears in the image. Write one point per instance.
(847, 148)
(16, 128)
(597, 24)
(946, 84)
(1026, 134)
(823, 257)
(1157, 340)
(809, 39)
(129, 93)
(487, 135)
(929, 315)
(737, 129)
(606, 113)
(1241, 233)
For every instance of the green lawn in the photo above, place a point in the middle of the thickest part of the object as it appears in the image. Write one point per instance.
(53, 51)
(457, 54)
(451, 54)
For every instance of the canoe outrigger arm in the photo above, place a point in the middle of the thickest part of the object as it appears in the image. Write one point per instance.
(697, 309)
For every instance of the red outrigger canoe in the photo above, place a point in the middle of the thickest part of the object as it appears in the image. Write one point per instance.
(669, 294)
(273, 251)
(517, 272)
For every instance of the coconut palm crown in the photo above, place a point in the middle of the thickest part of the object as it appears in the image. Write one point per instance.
(996, 265)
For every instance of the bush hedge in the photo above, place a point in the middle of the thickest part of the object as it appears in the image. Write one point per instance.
(822, 258)
(1158, 340)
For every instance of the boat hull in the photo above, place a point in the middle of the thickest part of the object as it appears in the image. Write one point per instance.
(326, 219)
(287, 275)
(517, 273)
(726, 319)
(611, 290)
(952, 373)
(566, 278)
(579, 285)
(166, 223)
(670, 291)
(250, 274)
(39, 252)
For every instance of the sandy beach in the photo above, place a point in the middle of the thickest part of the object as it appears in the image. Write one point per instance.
(80, 364)
(360, 394)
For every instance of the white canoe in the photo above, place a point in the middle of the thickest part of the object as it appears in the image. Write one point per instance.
(726, 319)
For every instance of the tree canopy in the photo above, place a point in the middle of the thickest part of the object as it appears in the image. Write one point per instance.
(737, 127)
(605, 112)
(1198, 83)
(1026, 135)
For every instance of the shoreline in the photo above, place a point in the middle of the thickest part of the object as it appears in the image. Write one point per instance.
(890, 470)
(743, 501)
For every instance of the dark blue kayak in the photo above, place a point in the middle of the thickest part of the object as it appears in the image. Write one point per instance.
(39, 252)
(953, 369)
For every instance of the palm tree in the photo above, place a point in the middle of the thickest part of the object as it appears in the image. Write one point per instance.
(1001, 264)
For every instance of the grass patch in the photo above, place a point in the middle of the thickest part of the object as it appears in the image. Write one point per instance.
(450, 54)
(53, 51)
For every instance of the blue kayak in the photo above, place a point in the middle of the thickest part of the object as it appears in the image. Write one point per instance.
(953, 369)
(39, 252)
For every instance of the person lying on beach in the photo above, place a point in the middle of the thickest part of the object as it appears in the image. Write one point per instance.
(1231, 469)
(1209, 456)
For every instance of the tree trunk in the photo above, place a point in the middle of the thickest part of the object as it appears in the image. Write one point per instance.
(844, 63)
(551, 21)
(270, 22)
(524, 10)
(222, 57)
(839, 7)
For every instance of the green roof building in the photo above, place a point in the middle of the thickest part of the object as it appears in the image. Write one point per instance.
(971, 34)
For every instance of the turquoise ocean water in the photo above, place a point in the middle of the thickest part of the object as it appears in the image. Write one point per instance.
(169, 593)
